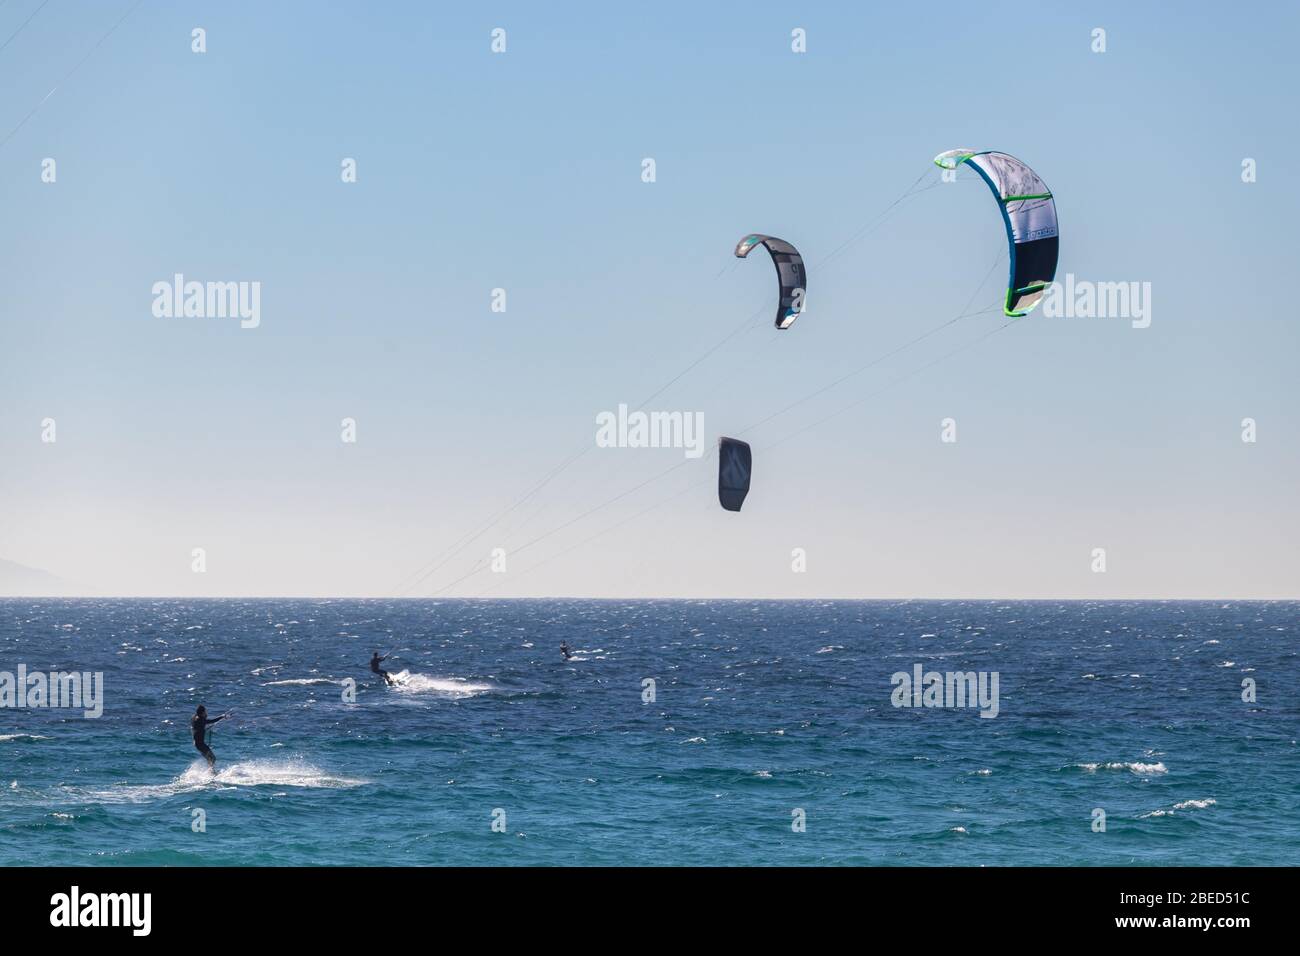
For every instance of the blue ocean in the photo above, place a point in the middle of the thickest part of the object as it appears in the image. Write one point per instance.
(679, 732)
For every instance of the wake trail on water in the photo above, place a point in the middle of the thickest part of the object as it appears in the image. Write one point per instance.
(302, 682)
(404, 682)
(243, 773)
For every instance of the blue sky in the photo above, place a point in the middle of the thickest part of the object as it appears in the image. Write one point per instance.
(522, 171)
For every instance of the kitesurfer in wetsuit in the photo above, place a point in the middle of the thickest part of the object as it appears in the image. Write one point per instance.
(199, 724)
(564, 649)
(375, 661)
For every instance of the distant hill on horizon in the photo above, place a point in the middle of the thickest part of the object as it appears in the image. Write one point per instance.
(19, 580)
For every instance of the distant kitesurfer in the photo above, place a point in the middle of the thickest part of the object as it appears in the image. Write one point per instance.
(375, 661)
(566, 650)
(199, 724)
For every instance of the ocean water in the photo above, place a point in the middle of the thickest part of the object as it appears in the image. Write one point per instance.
(762, 711)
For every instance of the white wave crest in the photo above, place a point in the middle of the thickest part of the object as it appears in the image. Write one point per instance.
(1142, 769)
(1185, 805)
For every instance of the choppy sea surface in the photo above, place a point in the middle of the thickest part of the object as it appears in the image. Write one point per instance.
(767, 736)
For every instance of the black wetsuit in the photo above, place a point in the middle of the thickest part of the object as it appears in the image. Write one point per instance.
(374, 666)
(564, 649)
(199, 726)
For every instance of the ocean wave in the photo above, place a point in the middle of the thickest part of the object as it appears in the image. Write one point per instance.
(1141, 769)
(1185, 805)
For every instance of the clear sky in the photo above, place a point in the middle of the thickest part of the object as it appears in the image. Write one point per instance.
(523, 171)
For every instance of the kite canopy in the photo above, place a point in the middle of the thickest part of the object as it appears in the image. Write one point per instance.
(789, 272)
(735, 463)
(1029, 213)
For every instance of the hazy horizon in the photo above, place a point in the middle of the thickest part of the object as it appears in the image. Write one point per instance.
(5, 594)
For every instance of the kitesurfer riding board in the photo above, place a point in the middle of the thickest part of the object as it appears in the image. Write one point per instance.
(199, 725)
(375, 661)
